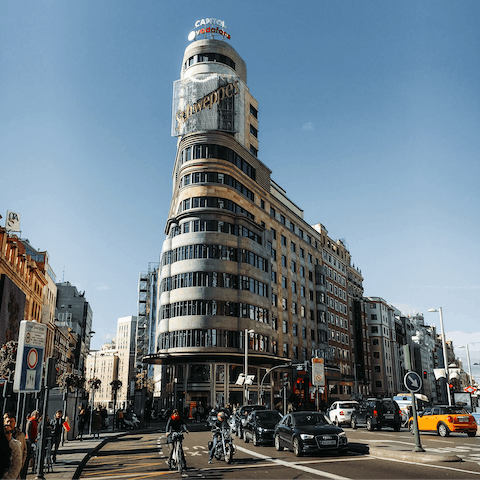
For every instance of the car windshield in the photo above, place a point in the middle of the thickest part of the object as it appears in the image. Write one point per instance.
(310, 419)
(268, 417)
(347, 405)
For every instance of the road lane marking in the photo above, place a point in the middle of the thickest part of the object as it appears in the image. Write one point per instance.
(293, 465)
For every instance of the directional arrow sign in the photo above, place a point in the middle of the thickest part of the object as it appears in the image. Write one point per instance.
(412, 381)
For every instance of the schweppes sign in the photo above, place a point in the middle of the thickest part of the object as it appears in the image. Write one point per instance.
(204, 113)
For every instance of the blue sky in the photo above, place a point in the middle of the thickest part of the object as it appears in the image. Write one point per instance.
(369, 116)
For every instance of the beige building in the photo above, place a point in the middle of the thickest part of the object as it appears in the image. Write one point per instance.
(241, 270)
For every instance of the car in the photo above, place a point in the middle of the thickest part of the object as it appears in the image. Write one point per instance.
(377, 413)
(241, 416)
(340, 413)
(309, 432)
(260, 426)
(476, 416)
(445, 419)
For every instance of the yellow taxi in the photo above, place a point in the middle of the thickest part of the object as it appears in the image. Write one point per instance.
(445, 420)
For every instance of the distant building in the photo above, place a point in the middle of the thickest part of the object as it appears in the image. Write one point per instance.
(126, 345)
(75, 312)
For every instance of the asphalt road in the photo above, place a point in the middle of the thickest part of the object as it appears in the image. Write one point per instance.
(144, 455)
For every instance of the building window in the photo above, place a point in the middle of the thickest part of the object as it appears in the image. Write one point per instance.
(294, 329)
(284, 241)
(378, 384)
(285, 349)
(284, 261)
(274, 233)
(375, 341)
(262, 204)
(374, 329)
(253, 111)
(272, 212)
(282, 219)
(376, 354)
(253, 131)
(284, 282)
(253, 151)
(294, 287)
(304, 332)
(293, 247)
(285, 327)
(295, 352)
(294, 266)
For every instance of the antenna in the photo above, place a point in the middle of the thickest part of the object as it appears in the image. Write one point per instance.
(63, 278)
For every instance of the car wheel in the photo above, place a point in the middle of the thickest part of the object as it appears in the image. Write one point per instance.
(296, 447)
(369, 424)
(342, 451)
(239, 432)
(278, 446)
(411, 428)
(245, 437)
(396, 428)
(255, 439)
(336, 422)
(353, 422)
(443, 430)
(471, 434)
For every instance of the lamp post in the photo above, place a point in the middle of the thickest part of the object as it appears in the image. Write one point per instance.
(247, 337)
(469, 364)
(444, 344)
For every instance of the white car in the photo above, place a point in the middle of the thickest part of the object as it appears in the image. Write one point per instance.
(340, 413)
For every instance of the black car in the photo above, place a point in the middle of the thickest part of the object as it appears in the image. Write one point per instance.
(260, 426)
(377, 413)
(309, 432)
(241, 416)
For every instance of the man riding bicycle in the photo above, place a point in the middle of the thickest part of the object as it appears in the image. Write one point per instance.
(218, 426)
(175, 424)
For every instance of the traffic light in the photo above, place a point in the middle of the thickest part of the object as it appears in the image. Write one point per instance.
(305, 366)
(286, 382)
(424, 374)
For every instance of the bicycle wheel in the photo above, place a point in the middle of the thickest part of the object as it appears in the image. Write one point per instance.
(180, 466)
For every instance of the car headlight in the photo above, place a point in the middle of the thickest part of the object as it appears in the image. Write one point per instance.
(342, 434)
(305, 436)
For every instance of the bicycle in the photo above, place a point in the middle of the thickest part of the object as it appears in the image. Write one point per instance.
(178, 458)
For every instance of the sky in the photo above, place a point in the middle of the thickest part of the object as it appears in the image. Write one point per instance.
(369, 118)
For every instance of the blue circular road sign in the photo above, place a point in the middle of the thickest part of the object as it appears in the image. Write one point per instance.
(412, 381)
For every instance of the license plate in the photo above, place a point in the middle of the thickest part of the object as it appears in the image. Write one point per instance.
(328, 442)
(462, 419)
(390, 416)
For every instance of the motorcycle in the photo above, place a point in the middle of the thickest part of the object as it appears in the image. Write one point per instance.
(224, 449)
(134, 422)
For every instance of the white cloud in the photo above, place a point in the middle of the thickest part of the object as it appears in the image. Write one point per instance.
(102, 287)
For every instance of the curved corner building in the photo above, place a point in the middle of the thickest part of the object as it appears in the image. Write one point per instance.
(222, 282)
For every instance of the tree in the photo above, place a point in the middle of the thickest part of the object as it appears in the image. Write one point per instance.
(8, 357)
(116, 386)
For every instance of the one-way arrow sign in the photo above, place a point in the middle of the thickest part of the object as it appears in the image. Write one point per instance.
(412, 381)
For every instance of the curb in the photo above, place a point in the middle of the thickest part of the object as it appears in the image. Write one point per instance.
(404, 454)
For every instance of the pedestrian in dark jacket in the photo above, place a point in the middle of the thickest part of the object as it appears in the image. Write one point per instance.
(57, 430)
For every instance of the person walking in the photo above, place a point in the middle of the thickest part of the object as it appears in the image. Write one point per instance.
(5, 453)
(9, 419)
(82, 421)
(13, 470)
(96, 423)
(31, 433)
(57, 430)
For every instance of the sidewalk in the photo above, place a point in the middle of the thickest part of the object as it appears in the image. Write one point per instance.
(75, 453)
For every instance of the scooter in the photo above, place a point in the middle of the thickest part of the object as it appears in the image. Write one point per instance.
(134, 422)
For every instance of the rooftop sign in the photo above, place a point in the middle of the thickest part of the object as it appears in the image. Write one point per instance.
(212, 26)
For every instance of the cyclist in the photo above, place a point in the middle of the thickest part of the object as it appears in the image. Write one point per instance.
(219, 425)
(175, 424)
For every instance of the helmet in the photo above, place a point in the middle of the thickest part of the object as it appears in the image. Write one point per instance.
(221, 416)
(175, 415)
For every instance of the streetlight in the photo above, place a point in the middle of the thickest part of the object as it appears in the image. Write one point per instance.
(245, 388)
(468, 360)
(444, 344)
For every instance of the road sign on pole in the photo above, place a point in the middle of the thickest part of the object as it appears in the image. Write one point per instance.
(412, 381)
(31, 350)
(318, 372)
